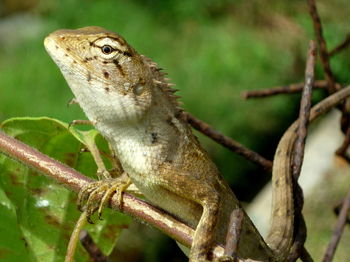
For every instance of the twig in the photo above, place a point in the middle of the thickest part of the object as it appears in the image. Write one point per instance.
(341, 46)
(305, 106)
(228, 142)
(91, 247)
(322, 46)
(288, 89)
(336, 211)
(341, 151)
(234, 233)
(338, 230)
(298, 154)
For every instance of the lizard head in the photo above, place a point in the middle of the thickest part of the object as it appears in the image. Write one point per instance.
(106, 75)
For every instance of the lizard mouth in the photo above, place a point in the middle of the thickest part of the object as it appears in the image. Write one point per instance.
(56, 52)
(65, 60)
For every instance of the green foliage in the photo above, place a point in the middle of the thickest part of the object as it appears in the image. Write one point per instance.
(38, 214)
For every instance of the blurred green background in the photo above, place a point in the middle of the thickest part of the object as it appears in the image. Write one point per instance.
(211, 49)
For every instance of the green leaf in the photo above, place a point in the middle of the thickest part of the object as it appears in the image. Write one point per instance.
(37, 214)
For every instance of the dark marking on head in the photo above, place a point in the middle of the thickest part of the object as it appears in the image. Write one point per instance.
(179, 114)
(154, 137)
(56, 46)
(127, 53)
(142, 81)
(65, 54)
(88, 77)
(63, 38)
(105, 62)
(87, 59)
(83, 47)
(289, 213)
(74, 62)
(95, 57)
(106, 74)
(107, 89)
(119, 67)
(68, 49)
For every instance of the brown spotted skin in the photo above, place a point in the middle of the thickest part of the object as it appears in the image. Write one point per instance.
(127, 98)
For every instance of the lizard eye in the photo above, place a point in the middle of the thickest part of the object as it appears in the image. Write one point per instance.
(107, 49)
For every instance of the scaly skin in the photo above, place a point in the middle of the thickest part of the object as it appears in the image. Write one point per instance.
(127, 98)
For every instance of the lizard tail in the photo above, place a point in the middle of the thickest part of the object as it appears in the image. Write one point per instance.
(281, 235)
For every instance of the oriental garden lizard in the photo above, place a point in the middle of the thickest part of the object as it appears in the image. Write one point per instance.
(127, 98)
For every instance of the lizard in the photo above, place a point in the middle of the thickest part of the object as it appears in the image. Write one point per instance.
(130, 102)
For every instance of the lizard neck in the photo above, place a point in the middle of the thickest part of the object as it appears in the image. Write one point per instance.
(145, 144)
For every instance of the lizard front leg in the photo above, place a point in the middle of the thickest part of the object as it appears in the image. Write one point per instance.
(204, 235)
(183, 189)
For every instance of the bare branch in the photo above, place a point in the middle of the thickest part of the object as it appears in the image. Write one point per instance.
(341, 46)
(298, 155)
(227, 142)
(288, 89)
(338, 230)
(90, 246)
(341, 151)
(322, 46)
(304, 114)
(234, 233)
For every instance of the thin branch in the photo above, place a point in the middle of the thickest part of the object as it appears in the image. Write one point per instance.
(336, 211)
(341, 151)
(298, 154)
(305, 255)
(322, 46)
(341, 46)
(288, 89)
(304, 114)
(234, 233)
(90, 246)
(227, 142)
(338, 230)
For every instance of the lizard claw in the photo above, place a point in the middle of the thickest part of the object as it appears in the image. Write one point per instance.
(97, 194)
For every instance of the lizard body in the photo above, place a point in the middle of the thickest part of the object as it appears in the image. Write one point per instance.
(129, 101)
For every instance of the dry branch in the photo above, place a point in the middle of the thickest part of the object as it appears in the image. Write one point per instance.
(288, 89)
(227, 142)
(322, 46)
(338, 230)
(298, 156)
(341, 46)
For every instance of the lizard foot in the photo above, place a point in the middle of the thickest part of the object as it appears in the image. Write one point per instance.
(97, 194)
